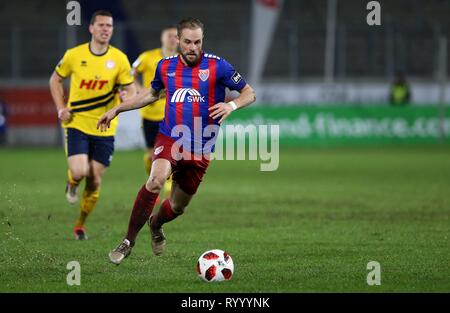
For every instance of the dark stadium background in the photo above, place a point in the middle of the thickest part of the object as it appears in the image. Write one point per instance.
(359, 178)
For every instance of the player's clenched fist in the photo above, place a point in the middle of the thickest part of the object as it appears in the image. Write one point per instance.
(105, 121)
(64, 114)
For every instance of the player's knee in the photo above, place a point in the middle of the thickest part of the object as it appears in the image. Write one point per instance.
(178, 207)
(93, 182)
(154, 184)
(79, 173)
(96, 182)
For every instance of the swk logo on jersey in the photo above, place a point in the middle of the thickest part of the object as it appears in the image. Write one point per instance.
(93, 84)
(187, 94)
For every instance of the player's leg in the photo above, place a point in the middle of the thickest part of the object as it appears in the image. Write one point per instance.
(170, 209)
(90, 197)
(77, 147)
(148, 166)
(186, 180)
(143, 207)
(78, 169)
(101, 150)
(151, 129)
(145, 200)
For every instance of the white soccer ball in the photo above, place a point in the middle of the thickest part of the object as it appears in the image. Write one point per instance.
(215, 265)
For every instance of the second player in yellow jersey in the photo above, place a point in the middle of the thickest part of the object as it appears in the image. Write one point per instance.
(94, 82)
(145, 65)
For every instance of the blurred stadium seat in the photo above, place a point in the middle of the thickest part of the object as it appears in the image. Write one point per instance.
(34, 35)
(361, 51)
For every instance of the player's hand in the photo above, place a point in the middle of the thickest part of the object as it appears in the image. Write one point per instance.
(64, 114)
(105, 121)
(221, 110)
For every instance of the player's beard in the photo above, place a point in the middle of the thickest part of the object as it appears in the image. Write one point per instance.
(190, 63)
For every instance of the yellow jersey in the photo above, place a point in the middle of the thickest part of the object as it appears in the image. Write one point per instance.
(94, 82)
(146, 64)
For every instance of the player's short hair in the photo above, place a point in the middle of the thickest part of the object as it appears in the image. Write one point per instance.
(99, 13)
(191, 23)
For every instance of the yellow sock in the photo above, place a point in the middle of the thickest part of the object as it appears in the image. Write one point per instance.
(88, 202)
(147, 163)
(168, 187)
(71, 180)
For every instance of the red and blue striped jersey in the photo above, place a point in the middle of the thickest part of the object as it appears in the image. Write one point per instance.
(190, 91)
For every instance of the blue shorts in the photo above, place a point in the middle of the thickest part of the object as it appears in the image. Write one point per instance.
(97, 148)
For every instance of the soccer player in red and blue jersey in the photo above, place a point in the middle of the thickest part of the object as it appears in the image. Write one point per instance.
(194, 83)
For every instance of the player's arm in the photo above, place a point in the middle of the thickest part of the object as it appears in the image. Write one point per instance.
(127, 91)
(57, 91)
(223, 110)
(138, 101)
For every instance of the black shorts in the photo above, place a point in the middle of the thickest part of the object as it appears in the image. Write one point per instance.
(98, 148)
(150, 129)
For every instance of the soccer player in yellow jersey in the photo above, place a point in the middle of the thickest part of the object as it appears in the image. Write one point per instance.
(97, 71)
(153, 114)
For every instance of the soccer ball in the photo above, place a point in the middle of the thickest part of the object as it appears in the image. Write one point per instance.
(215, 265)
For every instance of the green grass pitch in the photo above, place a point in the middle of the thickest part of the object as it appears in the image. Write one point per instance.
(311, 226)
